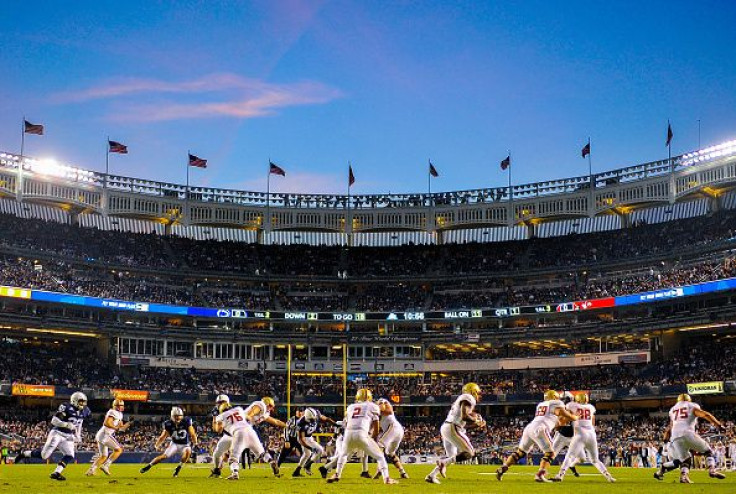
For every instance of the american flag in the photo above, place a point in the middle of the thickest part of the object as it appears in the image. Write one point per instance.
(351, 176)
(669, 134)
(116, 147)
(433, 171)
(33, 128)
(506, 163)
(586, 150)
(276, 169)
(197, 161)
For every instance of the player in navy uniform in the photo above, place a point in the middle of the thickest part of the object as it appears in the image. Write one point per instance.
(183, 438)
(291, 438)
(564, 432)
(312, 450)
(66, 431)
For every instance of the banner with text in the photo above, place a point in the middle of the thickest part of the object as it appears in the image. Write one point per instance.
(20, 389)
(708, 388)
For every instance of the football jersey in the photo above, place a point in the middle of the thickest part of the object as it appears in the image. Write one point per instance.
(179, 432)
(69, 413)
(262, 415)
(545, 413)
(215, 412)
(117, 418)
(308, 428)
(585, 413)
(232, 419)
(683, 418)
(389, 421)
(455, 415)
(361, 415)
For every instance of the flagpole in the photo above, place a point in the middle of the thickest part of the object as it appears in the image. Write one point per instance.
(669, 147)
(107, 163)
(268, 196)
(511, 192)
(429, 181)
(348, 219)
(590, 174)
(19, 185)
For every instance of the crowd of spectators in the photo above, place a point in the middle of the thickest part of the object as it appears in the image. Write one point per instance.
(77, 367)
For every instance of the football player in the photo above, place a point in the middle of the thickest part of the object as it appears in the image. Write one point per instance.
(361, 429)
(106, 440)
(338, 439)
(584, 441)
(66, 431)
(225, 441)
(538, 432)
(392, 433)
(684, 417)
(291, 438)
(312, 450)
(454, 438)
(183, 438)
(257, 412)
(564, 432)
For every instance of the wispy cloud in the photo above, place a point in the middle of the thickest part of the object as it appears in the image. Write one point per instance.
(241, 97)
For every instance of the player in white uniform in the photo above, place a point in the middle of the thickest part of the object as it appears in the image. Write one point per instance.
(225, 441)
(338, 439)
(106, 440)
(239, 424)
(538, 433)
(361, 429)
(684, 417)
(564, 432)
(454, 438)
(392, 433)
(584, 442)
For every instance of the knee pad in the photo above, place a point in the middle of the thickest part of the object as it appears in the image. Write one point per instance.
(518, 455)
(391, 458)
(548, 457)
(66, 459)
(464, 456)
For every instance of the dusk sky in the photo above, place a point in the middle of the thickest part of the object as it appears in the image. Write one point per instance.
(386, 85)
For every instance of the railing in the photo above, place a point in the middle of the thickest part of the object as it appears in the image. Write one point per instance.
(601, 180)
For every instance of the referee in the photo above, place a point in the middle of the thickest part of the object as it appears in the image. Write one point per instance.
(291, 438)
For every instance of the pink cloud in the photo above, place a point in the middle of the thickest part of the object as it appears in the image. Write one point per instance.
(245, 97)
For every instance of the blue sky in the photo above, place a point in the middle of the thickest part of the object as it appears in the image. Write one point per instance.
(385, 85)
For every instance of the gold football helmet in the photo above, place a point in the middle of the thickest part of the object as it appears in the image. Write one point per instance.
(551, 394)
(582, 398)
(268, 401)
(225, 405)
(364, 394)
(684, 397)
(472, 389)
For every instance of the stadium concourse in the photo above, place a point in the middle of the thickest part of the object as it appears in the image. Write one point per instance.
(631, 318)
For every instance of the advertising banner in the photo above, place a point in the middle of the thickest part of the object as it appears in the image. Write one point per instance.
(20, 389)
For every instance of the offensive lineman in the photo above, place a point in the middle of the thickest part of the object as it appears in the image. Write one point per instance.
(684, 417)
(66, 431)
(564, 433)
(454, 439)
(183, 439)
(537, 432)
(240, 424)
(312, 450)
(361, 429)
(224, 443)
(106, 440)
(584, 442)
(392, 433)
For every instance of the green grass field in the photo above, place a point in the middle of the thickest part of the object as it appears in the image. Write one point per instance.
(34, 479)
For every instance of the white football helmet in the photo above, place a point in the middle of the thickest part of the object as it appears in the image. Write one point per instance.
(176, 412)
(222, 399)
(310, 414)
(79, 399)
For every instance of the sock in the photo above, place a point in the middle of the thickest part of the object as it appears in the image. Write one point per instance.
(59, 468)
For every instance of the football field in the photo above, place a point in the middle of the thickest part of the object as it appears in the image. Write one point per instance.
(126, 479)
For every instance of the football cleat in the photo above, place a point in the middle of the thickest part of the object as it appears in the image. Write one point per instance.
(659, 475)
(574, 471)
(556, 478)
(377, 475)
(323, 472)
(233, 476)
(684, 479)
(297, 473)
(215, 473)
(90, 473)
(499, 473)
(145, 468)
(333, 479)
(541, 478)
(610, 479)
(716, 475)
(105, 469)
(365, 475)
(404, 475)
(390, 481)
(177, 470)
(275, 469)
(432, 480)
(57, 476)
